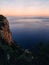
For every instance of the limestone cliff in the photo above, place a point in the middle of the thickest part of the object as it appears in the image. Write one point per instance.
(5, 32)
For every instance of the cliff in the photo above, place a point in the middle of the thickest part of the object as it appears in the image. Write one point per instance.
(10, 52)
(5, 32)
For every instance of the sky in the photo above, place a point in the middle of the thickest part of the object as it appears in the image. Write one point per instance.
(24, 7)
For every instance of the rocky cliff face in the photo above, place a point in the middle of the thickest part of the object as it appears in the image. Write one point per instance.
(10, 52)
(5, 32)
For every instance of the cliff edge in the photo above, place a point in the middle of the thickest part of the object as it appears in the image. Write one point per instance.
(5, 32)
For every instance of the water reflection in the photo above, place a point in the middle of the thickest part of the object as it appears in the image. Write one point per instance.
(28, 32)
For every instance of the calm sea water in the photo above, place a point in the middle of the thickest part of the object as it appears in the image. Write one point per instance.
(28, 32)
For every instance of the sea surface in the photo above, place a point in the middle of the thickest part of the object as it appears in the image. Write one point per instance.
(29, 31)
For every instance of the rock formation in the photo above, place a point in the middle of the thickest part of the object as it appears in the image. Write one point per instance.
(10, 52)
(5, 32)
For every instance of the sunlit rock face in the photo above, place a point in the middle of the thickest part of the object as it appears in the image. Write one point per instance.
(5, 32)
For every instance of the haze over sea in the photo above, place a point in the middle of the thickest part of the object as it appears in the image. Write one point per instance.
(28, 31)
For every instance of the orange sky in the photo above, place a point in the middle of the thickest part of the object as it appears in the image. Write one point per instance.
(24, 7)
(24, 13)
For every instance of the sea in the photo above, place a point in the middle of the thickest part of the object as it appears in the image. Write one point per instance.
(29, 31)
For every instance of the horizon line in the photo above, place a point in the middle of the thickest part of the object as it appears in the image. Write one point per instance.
(26, 15)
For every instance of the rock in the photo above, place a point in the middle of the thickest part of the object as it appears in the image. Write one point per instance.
(5, 32)
(10, 52)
